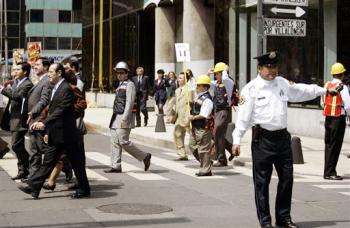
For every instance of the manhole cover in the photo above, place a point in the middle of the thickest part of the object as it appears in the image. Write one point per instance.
(134, 208)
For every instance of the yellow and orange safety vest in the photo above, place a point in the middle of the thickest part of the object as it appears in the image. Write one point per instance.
(332, 104)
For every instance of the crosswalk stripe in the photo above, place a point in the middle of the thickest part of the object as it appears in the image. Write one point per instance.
(92, 175)
(129, 169)
(345, 193)
(335, 186)
(9, 164)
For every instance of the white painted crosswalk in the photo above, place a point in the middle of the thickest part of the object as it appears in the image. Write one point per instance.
(187, 168)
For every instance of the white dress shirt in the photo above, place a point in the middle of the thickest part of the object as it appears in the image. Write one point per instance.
(266, 103)
(56, 87)
(345, 97)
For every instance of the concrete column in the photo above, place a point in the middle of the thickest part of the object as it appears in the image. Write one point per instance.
(165, 39)
(198, 31)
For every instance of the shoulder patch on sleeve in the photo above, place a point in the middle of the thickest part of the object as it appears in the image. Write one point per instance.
(241, 100)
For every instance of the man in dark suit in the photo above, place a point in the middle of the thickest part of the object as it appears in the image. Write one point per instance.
(16, 114)
(60, 135)
(41, 89)
(142, 86)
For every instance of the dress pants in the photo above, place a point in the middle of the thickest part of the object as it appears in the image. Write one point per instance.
(141, 106)
(334, 135)
(36, 148)
(120, 141)
(268, 149)
(200, 142)
(18, 146)
(179, 139)
(222, 119)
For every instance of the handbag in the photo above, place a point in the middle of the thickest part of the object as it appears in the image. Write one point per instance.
(81, 128)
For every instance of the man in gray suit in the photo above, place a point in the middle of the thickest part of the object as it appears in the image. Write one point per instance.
(123, 119)
(16, 111)
(40, 90)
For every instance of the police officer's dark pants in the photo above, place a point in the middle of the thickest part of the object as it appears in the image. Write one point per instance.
(35, 153)
(334, 135)
(272, 148)
(141, 107)
(18, 146)
(221, 122)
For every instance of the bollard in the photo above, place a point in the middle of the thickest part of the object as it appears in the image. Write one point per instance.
(160, 125)
(297, 151)
(228, 136)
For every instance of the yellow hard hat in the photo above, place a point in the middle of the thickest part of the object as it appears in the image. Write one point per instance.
(337, 68)
(220, 67)
(203, 80)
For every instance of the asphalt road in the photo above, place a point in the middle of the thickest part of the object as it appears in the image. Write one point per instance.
(169, 195)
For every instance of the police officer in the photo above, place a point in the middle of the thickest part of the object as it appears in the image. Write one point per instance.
(222, 87)
(335, 109)
(123, 119)
(264, 104)
(202, 123)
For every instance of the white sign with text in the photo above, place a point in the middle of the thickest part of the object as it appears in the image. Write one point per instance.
(182, 52)
(284, 27)
(288, 2)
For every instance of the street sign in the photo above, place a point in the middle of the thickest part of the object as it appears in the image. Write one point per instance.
(183, 52)
(297, 11)
(288, 2)
(284, 27)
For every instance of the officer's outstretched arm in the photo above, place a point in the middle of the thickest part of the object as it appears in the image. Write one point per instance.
(298, 92)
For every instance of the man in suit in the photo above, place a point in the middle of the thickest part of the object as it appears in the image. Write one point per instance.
(142, 86)
(123, 121)
(16, 111)
(60, 135)
(41, 89)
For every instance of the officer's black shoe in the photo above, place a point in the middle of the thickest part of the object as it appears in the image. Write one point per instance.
(46, 186)
(219, 164)
(79, 195)
(20, 175)
(30, 191)
(335, 177)
(267, 226)
(147, 161)
(286, 224)
(204, 174)
(113, 170)
(2, 153)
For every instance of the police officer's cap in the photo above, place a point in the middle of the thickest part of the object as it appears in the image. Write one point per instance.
(268, 58)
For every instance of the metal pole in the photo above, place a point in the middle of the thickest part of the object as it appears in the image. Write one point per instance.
(93, 43)
(1, 23)
(6, 41)
(100, 57)
(260, 25)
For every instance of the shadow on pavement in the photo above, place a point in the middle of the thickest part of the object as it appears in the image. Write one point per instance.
(314, 224)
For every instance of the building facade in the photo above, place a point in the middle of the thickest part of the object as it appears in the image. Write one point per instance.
(144, 33)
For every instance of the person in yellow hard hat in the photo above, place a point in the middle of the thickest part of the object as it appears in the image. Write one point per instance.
(223, 90)
(202, 123)
(335, 110)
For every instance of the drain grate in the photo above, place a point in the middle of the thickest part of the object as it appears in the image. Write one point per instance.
(134, 208)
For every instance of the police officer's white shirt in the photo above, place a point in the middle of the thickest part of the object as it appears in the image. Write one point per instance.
(266, 103)
(345, 97)
(206, 107)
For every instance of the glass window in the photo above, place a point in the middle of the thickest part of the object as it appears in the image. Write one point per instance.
(13, 43)
(36, 39)
(51, 16)
(76, 43)
(13, 31)
(50, 43)
(36, 16)
(64, 16)
(12, 17)
(64, 43)
(13, 5)
(77, 16)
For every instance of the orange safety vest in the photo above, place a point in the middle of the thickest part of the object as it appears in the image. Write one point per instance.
(332, 104)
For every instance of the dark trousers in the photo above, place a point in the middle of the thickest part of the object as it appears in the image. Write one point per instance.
(268, 149)
(37, 146)
(18, 146)
(141, 106)
(222, 119)
(52, 154)
(334, 135)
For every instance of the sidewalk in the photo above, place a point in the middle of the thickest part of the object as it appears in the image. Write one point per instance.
(313, 148)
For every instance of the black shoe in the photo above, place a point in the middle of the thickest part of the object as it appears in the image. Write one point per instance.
(73, 187)
(30, 191)
(219, 164)
(335, 177)
(20, 175)
(147, 161)
(5, 151)
(79, 195)
(231, 157)
(182, 159)
(69, 175)
(46, 186)
(267, 226)
(204, 174)
(25, 180)
(286, 224)
(113, 170)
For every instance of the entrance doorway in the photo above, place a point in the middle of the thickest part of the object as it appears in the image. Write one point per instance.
(343, 21)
